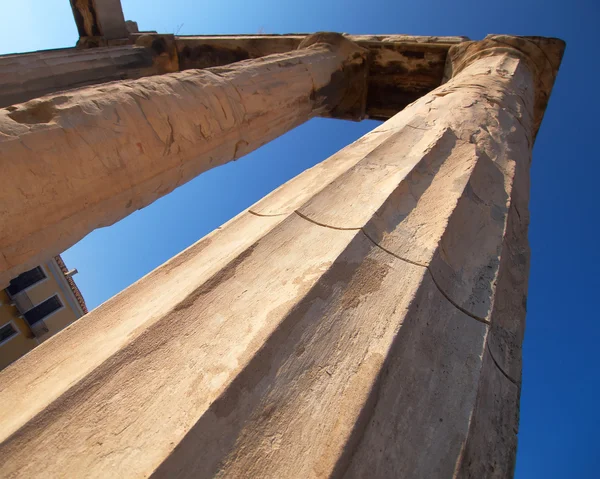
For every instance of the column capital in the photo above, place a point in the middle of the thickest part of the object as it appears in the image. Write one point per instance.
(345, 92)
(542, 56)
(163, 49)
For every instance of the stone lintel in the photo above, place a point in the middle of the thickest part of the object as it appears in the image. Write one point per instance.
(402, 68)
(26, 76)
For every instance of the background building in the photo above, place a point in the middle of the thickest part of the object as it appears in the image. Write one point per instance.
(36, 305)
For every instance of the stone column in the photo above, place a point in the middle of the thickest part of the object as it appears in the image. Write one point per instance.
(363, 320)
(89, 157)
(99, 18)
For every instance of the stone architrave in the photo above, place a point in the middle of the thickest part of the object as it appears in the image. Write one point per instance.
(363, 320)
(89, 157)
(30, 75)
(402, 68)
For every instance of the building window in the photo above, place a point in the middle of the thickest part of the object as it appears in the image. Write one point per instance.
(26, 279)
(6, 332)
(42, 310)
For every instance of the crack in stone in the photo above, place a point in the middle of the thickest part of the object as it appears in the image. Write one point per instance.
(170, 140)
(232, 85)
(143, 113)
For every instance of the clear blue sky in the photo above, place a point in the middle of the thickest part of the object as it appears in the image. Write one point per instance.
(561, 381)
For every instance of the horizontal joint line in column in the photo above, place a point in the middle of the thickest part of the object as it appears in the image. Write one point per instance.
(260, 215)
(460, 308)
(418, 128)
(324, 225)
(516, 383)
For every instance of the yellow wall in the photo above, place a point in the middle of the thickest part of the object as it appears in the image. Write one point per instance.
(41, 292)
(15, 347)
(23, 342)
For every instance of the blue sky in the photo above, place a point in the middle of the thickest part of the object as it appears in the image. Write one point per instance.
(560, 422)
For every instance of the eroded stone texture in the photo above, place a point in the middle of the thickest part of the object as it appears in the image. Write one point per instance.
(363, 320)
(89, 157)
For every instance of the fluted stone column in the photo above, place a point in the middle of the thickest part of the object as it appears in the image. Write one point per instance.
(363, 320)
(99, 18)
(89, 157)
